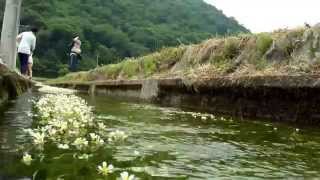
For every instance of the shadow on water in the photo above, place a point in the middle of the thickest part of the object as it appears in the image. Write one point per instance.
(170, 143)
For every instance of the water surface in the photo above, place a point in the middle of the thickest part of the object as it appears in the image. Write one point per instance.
(171, 143)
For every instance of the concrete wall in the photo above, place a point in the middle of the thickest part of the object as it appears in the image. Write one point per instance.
(284, 99)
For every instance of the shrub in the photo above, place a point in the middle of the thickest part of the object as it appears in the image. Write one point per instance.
(63, 69)
(130, 67)
(231, 48)
(149, 65)
(220, 64)
(264, 41)
(111, 70)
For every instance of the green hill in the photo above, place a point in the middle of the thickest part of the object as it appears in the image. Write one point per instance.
(114, 29)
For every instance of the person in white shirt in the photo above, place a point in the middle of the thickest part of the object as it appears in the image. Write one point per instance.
(27, 45)
(75, 54)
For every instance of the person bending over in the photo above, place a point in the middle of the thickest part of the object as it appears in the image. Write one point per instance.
(27, 45)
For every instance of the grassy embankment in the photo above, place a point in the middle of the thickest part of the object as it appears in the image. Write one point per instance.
(280, 53)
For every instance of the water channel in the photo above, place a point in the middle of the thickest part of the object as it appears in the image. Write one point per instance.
(170, 143)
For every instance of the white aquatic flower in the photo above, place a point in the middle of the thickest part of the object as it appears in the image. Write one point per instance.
(93, 136)
(137, 153)
(63, 126)
(117, 136)
(101, 126)
(66, 120)
(38, 138)
(27, 159)
(96, 139)
(76, 124)
(84, 156)
(125, 176)
(63, 146)
(104, 169)
(80, 143)
(297, 130)
(223, 119)
(29, 114)
(110, 139)
(99, 142)
(52, 132)
(60, 178)
(203, 117)
(275, 128)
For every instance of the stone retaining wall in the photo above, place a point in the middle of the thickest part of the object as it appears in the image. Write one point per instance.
(279, 98)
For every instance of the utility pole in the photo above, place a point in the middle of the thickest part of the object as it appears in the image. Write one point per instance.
(98, 60)
(10, 28)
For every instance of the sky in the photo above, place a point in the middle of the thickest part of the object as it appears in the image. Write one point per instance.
(269, 15)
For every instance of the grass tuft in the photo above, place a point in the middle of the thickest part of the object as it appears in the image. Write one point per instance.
(264, 42)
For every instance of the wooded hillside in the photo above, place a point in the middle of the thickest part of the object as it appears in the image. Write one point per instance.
(114, 29)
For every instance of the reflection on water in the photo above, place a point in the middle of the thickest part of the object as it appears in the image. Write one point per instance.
(12, 120)
(169, 143)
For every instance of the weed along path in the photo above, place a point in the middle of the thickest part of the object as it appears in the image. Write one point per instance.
(65, 136)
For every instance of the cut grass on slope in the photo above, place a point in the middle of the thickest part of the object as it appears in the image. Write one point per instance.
(282, 52)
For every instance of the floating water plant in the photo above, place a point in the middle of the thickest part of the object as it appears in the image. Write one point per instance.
(67, 124)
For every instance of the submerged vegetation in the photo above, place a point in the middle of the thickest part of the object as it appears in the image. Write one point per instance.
(283, 52)
(65, 127)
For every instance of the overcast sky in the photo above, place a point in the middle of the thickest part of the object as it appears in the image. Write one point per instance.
(268, 15)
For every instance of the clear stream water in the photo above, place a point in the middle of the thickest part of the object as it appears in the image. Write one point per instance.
(170, 143)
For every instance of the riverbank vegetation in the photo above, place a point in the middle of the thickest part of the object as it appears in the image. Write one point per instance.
(281, 53)
(115, 29)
